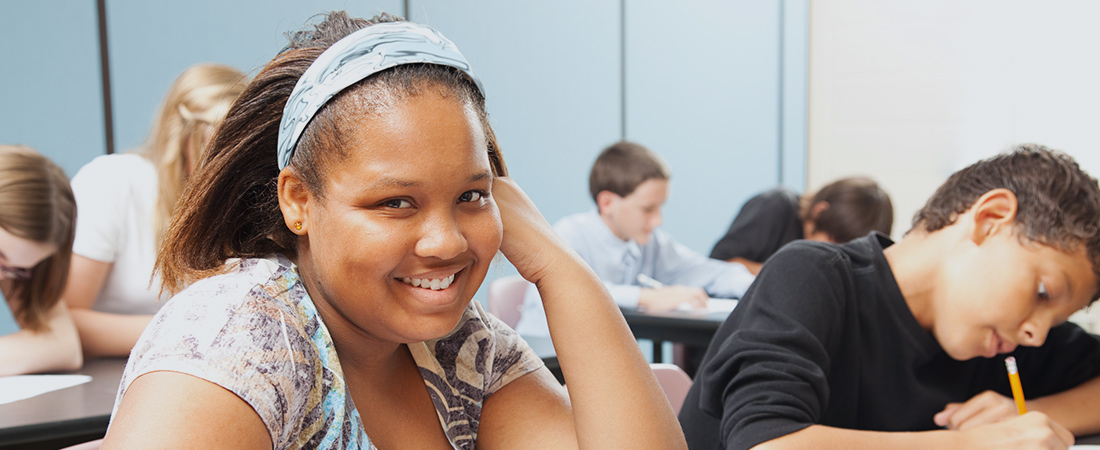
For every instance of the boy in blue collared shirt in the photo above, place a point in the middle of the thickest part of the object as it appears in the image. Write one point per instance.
(620, 240)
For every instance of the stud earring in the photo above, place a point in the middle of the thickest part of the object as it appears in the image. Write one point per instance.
(297, 225)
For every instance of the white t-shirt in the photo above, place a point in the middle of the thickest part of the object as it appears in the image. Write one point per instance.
(115, 198)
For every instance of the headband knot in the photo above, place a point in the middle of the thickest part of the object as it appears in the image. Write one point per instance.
(355, 57)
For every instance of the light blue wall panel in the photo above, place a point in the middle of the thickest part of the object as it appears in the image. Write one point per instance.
(552, 75)
(152, 42)
(703, 91)
(50, 95)
(796, 84)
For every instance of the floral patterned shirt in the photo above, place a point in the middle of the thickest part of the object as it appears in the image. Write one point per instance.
(255, 332)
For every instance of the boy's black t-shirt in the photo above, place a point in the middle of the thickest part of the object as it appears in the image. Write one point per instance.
(765, 224)
(824, 336)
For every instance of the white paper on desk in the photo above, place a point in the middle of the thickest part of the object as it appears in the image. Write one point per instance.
(713, 305)
(19, 387)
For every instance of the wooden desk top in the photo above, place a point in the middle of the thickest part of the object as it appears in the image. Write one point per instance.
(84, 411)
(76, 412)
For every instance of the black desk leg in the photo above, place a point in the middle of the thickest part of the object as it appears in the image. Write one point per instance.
(658, 351)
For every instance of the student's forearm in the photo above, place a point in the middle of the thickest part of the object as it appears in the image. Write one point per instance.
(26, 352)
(1074, 409)
(1032, 430)
(753, 266)
(616, 401)
(823, 437)
(56, 348)
(104, 334)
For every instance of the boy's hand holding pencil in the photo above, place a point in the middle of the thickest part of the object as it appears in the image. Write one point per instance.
(995, 421)
(987, 407)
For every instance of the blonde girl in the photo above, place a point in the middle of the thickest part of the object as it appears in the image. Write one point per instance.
(127, 201)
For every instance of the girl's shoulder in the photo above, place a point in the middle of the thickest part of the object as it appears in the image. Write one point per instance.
(118, 169)
(253, 295)
(117, 163)
(250, 330)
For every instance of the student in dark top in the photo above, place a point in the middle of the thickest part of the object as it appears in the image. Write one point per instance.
(839, 212)
(840, 346)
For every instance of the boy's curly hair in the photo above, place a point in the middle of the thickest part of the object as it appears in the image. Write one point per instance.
(1058, 203)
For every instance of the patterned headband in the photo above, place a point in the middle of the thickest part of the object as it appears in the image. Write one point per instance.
(358, 56)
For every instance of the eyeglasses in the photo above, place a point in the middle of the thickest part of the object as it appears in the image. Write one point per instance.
(14, 273)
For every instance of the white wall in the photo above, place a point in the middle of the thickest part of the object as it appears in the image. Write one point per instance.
(909, 92)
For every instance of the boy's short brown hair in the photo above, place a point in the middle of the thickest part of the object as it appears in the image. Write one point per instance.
(857, 205)
(1058, 204)
(623, 166)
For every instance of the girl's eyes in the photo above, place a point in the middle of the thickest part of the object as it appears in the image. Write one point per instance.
(397, 203)
(472, 196)
(466, 197)
(1043, 292)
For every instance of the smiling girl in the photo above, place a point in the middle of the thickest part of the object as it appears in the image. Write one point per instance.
(330, 251)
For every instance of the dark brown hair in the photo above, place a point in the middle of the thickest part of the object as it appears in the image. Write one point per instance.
(857, 205)
(231, 208)
(623, 166)
(1058, 204)
(37, 204)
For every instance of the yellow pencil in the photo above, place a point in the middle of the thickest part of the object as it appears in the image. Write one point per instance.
(1017, 389)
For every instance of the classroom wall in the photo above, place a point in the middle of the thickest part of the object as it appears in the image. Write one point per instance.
(717, 87)
(50, 85)
(910, 92)
(708, 86)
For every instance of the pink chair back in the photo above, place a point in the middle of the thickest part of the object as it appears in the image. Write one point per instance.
(674, 381)
(506, 298)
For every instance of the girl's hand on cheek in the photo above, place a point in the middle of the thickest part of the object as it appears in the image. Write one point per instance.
(530, 243)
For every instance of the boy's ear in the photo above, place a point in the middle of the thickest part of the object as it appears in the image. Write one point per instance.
(294, 199)
(604, 200)
(817, 209)
(992, 212)
(809, 226)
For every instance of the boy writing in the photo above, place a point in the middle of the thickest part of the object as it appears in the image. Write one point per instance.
(847, 346)
(620, 240)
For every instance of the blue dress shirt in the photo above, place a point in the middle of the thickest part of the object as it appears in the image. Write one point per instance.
(618, 263)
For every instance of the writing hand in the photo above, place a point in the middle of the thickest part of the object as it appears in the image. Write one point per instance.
(1032, 430)
(985, 408)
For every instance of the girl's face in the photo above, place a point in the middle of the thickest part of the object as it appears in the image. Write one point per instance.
(19, 255)
(406, 230)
